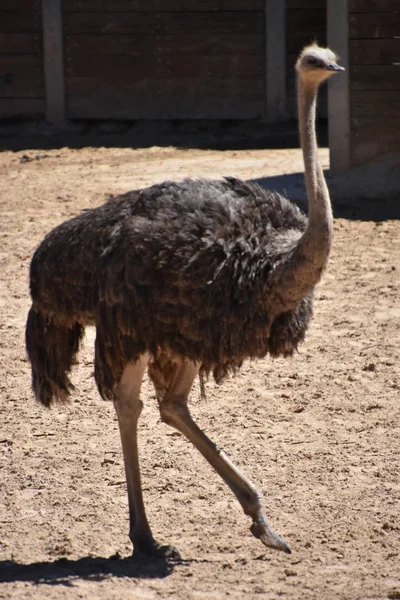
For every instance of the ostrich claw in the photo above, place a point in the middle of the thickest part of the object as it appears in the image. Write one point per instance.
(262, 531)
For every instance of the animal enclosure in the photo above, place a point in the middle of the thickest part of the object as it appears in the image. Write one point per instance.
(160, 59)
(365, 106)
(22, 90)
(203, 59)
(164, 60)
(374, 51)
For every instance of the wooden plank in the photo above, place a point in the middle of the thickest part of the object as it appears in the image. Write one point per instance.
(304, 27)
(22, 5)
(387, 129)
(20, 65)
(375, 103)
(373, 137)
(53, 60)
(306, 22)
(339, 89)
(226, 44)
(275, 60)
(181, 106)
(166, 23)
(375, 77)
(305, 4)
(374, 25)
(161, 67)
(20, 43)
(19, 21)
(373, 5)
(299, 39)
(161, 5)
(27, 86)
(374, 52)
(16, 107)
(190, 98)
(98, 86)
(304, 18)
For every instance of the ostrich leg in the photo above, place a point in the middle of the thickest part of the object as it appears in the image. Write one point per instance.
(128, 407)
(175, 412)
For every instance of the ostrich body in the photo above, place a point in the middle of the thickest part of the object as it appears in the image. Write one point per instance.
(182, 279)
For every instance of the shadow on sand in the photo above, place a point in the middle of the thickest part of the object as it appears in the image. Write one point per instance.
(367, 193)
(64, 571)
(17, 135)
(352, 197)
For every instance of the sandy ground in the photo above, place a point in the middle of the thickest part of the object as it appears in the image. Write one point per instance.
(319, 434)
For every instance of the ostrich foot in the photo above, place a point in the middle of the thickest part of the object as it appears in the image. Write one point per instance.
(262, 531)
(153, 549)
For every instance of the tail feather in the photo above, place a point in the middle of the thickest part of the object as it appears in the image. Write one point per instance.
(51, 348)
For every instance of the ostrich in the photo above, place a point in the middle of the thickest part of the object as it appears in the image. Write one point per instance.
(183, 279)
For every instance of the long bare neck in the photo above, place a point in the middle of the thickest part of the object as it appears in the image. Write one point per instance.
(319, 205)
(302, 267)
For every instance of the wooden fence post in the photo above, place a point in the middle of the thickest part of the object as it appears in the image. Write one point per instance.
(53, 57)
(275, 55)
(339, 88)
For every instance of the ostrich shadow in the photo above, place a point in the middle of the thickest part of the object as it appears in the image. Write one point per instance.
(65, 571)
(352, 203)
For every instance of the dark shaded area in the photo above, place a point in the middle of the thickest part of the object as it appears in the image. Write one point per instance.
(347, 202)
(64, 571)
(367, 209)
(16, 135)
(348, 199)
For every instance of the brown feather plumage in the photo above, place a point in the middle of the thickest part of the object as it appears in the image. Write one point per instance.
(181, 267)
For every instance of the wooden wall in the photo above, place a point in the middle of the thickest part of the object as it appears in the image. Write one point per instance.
(130, 59)
(374, 55)
(305, 23)
(21, 59)
(173, 59)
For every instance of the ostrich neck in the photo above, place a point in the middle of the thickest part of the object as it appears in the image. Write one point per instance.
(302, 266)
(319, 206)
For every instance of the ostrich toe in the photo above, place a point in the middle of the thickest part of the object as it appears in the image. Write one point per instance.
(262, 531)
(154, 549)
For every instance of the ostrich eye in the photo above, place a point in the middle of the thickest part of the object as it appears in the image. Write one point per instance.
(312, 60)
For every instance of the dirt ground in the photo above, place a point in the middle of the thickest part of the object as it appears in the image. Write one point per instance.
(319, 434)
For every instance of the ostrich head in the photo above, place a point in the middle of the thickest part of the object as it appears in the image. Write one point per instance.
(315, 64)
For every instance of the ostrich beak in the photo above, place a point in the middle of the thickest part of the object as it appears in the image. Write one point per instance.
(334, 67)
